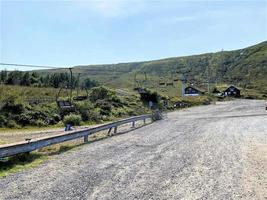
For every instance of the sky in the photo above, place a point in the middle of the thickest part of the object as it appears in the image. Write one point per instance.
(68, 33)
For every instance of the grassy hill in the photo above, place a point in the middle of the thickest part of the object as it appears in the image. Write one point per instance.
(245, 68)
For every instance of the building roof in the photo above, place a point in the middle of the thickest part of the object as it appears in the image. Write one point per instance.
(231, 86)
(194, 88)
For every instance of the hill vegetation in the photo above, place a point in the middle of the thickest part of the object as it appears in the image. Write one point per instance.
(246, 68)
(29, 98)
(103, 104)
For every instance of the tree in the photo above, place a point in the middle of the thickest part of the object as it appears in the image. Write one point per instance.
(14, 77)
(88, 83)
(3, 76)
(26, 79)
(34, 78)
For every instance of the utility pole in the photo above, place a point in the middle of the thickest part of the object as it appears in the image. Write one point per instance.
(71, 84)
(208, 79)
(183, 80)
(78, 80)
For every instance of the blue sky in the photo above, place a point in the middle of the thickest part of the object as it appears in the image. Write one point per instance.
(67, 33)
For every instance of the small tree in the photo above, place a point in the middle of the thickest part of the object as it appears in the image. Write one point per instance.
(26, 79)
(88, 83)
(3, 76)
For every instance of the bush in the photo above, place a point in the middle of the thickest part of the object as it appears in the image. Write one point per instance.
(94, 115)
(12, 124)
(101, 93)
(40, 123)
(11, 105)
(31, 117)
(54, 119)
(24, 119)
(3, 121)
(73, 119)
(104, 105)
(84, 109)
(150, 96)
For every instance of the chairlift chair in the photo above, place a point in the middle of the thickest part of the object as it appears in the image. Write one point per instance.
(63, 103)
(80, 97)
(169, 84)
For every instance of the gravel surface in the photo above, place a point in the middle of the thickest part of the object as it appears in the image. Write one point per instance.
(208, 152)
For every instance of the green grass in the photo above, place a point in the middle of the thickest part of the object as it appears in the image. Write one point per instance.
(34, 159)
(21, 162)
(241, 67)
(26, 92)
(2, 142)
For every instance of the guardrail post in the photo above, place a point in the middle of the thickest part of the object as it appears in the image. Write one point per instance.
(144, 120)
(115, 129)
(133, 124)
(109, 131)
(85, 138)
(31, 145)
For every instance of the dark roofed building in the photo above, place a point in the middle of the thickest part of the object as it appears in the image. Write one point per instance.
(190, 91)
(232, 91)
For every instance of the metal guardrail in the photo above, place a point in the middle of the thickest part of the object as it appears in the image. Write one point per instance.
(34, 144)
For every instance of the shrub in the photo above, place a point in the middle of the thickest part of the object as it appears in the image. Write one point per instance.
(55, 118)
(150, 96)
(94, 115)
(24, 119)
(104, 105)
(12, 124)
(3, 121)
(84, 109)
(73, 119)
(100, 93)
(40, 123)
(11, 105)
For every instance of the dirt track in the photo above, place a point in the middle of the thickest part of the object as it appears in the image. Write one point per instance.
(209, 152)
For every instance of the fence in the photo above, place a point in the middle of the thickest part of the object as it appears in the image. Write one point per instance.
(31, 145)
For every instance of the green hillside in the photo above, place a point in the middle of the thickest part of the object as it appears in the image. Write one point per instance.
(245, 68)
(29, 98)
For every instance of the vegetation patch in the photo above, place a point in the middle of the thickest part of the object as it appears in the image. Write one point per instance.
(103, 104)
(20, 162)
(72, 119)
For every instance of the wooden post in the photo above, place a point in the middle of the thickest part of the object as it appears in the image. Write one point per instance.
(85, 138)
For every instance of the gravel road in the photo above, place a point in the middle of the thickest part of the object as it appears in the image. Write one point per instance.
(207, 152)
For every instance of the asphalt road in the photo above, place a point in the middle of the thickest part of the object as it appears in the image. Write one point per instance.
(208, 152)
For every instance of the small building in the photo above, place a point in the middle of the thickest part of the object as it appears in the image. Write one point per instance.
(190, 91)
(232, 91)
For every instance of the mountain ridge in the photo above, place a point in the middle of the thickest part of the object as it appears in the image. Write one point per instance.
(246, 68)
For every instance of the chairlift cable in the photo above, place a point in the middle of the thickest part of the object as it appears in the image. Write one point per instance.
(32, 66)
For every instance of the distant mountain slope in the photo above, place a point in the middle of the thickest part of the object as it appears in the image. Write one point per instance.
(245, 68)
